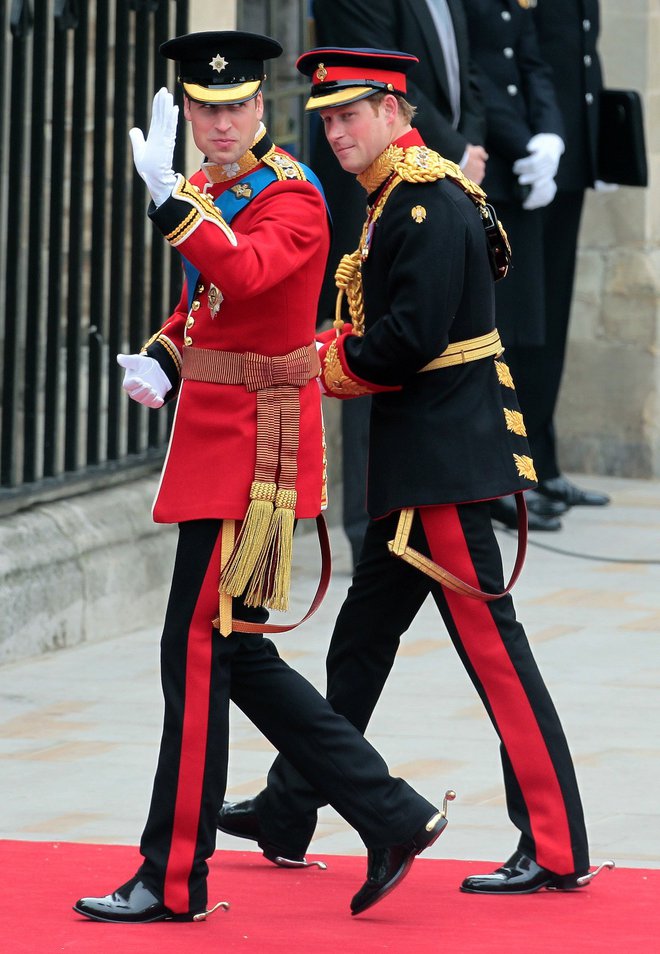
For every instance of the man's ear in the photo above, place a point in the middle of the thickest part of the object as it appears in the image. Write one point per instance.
(390, 106)
(186, 107)
(259, 105)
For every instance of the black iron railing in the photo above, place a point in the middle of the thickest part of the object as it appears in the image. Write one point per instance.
(82, 273)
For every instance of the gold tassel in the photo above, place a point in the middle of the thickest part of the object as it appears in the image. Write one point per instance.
(271, 580)
(251, 539)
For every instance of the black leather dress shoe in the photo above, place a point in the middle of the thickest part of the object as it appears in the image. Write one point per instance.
(133, 903)
(504, 511)
(562, 489)
(544, 506)
(520, 875)
(387, 867)
(241, 819)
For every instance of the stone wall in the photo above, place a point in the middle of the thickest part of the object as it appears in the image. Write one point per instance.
(608, 420)
(83, 569)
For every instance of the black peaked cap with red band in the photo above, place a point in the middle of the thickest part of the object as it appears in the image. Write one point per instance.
(342, 75)
(221, 66)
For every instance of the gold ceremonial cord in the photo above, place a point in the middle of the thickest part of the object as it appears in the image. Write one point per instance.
(348, 277)
(348, 280)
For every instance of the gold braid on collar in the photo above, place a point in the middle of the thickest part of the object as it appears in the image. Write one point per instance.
(416, 164)
(231, 170)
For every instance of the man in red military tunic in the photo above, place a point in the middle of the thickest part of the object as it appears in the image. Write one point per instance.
(245, 459)
(446, 437)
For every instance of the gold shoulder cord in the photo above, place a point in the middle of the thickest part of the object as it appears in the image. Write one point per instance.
(417, 164)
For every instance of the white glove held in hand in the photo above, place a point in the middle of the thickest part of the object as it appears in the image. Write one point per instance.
(144, 379)
(545, 151)
(153, 158)
(542, 193)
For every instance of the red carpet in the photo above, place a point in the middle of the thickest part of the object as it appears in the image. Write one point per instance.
(307, 912)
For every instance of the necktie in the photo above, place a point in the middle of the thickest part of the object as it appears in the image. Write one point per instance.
(445, 27)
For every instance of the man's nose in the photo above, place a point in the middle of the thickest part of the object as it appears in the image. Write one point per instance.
(222, 121)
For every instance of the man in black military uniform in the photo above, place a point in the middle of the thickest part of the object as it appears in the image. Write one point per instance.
(568, 33)
(211, 644)
(524, 143)
(446, 437)
(450, 117)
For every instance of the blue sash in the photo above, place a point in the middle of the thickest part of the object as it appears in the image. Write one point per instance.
(231, 204)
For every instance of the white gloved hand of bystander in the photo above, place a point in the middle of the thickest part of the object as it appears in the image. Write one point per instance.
(541, 194)
(545, 151)
(144, 379)
(153, 157)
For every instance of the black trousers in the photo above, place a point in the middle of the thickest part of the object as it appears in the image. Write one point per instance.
(537, 371)
(200, 669)
(541, 789)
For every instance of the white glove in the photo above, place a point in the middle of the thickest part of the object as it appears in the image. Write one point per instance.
(542, 193)
(545, 151)
(144, 379)
(604, 187)
(153, 158)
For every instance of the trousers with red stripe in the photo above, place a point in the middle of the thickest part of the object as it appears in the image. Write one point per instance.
(199, 669)
(541, 789)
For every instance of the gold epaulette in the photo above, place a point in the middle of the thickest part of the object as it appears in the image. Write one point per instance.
(284, 167)
(201, 208)
(421, 164)
(417, 164)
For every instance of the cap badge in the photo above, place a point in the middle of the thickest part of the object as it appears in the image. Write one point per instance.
(219, 63)
(418, 213)
(321, 73)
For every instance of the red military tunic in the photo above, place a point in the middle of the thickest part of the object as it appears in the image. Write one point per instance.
(257, 291)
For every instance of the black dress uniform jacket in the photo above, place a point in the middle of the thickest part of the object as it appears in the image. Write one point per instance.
(568, 32)
(520, 101)
(516, 85)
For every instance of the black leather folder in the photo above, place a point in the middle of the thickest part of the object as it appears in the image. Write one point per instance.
(621, 142)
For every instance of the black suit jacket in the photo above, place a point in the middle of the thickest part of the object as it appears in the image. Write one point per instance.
(405, 25)
(568, 34)
(517, 88)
